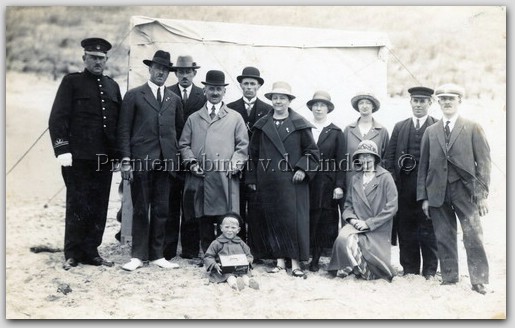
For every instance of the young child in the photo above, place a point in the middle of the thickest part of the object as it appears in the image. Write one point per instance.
(229, 244)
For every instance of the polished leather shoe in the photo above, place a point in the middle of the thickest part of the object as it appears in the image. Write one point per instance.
(479, 288)
(98, 261)
(69, 263)
(314, 267)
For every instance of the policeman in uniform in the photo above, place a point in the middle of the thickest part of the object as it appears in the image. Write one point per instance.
(82, 127)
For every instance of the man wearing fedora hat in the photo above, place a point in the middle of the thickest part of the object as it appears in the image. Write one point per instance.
(416, 236)
(453, 181)
(251, 108)
(193, 99)
(150, 124)
(82, 127)
(213, 147)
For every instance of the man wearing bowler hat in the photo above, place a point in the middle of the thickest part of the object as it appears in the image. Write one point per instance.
(82, 127)
(213, 147)
(453, 181)
(251, 108)
(415, 231)
(150, 124)
(193, 99)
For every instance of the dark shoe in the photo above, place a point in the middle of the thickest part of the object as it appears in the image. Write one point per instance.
(187, 256)
(479, 288)
(429, 276)
(98, 261)
(168, 253)
(313, 267)
(447, 283)
(69, 263)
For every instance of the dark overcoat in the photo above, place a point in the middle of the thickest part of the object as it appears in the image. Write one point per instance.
(281, 206)
(329, 175)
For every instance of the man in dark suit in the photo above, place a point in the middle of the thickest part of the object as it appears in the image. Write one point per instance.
(150, 124)
(193, 99)
(82, 127)
(415, 230)
(453, 180)
(251, 108)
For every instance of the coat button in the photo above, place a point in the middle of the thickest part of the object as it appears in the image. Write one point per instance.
(100, 85)
(105, 117)
(105, 126)
(101, 92)
(103, 108)
(103, 100)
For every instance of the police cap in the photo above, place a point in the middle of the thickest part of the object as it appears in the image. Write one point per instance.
(95, 46)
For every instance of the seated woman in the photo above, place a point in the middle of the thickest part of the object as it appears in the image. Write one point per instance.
(363, 243)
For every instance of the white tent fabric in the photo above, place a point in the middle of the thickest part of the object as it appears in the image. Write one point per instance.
(309, 59)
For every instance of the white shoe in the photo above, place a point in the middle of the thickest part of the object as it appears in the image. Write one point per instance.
(165, 264)
(133, 264)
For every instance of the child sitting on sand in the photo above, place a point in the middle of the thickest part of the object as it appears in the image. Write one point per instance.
(229, 244)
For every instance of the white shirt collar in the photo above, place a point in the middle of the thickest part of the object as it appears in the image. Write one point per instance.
(188, 89)
(154, 88)
(210, 105)
(422, 120)
(452, 121)
(252, 101)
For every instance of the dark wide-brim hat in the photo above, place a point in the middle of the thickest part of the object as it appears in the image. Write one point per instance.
(366, 147)
(322, 96)
(282, 88)
(215, 78)
(95, 46)
(365, 95)
(160, 57)
(251, 73)
(185, 62)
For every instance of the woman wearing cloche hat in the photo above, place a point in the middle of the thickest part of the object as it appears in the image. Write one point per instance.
(363, 244)
(326, 188)
(365, 128)
(283, 157)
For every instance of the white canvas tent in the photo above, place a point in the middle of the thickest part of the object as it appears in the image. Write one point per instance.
(340, 62)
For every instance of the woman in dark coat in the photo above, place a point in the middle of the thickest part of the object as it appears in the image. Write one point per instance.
(328, 184)
(283, 158)
(363, 244)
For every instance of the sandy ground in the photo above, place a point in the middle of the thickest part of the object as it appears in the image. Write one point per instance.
(34, 281)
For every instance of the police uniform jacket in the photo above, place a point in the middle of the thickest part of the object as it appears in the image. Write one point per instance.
(84, 116)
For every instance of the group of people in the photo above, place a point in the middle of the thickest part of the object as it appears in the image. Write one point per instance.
(261, 180)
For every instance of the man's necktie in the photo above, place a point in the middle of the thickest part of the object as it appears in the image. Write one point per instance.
(248, 107)
(418, 124)
(184, 96)
(212, 114)
(447, 131)
(159, 99)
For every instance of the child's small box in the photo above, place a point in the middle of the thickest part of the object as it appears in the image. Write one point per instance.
(237, 263)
